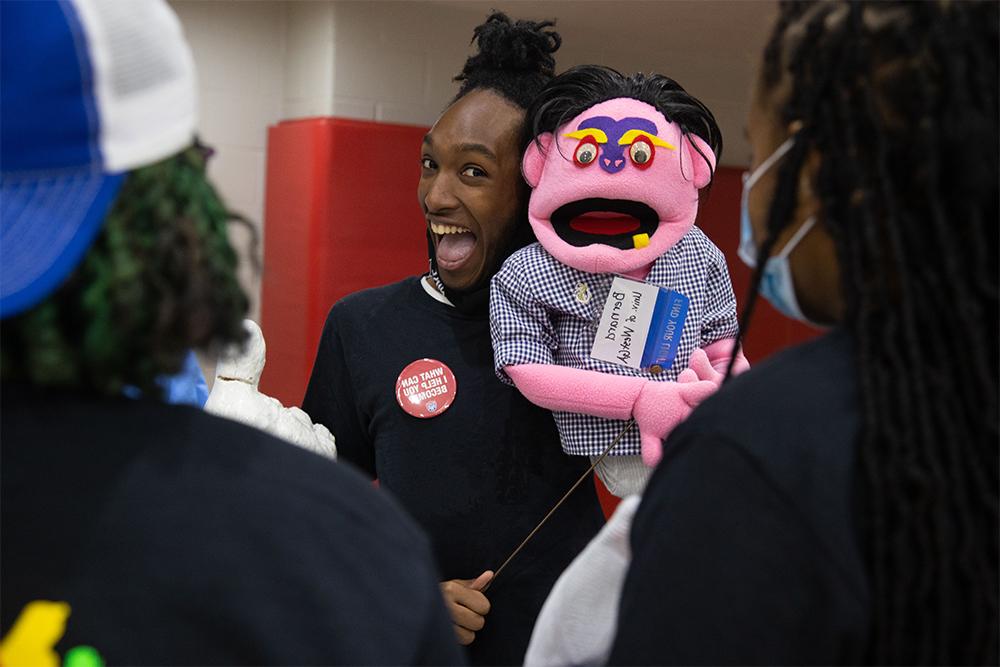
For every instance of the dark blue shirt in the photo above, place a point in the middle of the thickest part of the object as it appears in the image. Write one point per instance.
(746, 546)
(477, 477)
(180, 538)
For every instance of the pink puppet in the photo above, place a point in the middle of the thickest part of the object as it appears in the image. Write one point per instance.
(616, 167)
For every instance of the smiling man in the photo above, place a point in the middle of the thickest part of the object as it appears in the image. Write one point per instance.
(472, 194)
(404, 373)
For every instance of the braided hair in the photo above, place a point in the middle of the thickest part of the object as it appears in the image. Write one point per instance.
(899, 102)
(159, 280)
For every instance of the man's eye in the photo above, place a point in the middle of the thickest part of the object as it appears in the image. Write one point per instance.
(474, 172)
(427, 163)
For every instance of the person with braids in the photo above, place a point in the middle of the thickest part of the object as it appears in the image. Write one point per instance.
(478, 466)
(838, 503)
(135, 531)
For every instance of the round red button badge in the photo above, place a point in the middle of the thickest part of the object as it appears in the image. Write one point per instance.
(426, 388)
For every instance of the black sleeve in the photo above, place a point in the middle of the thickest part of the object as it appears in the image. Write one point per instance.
(724, 571)
(330, 400)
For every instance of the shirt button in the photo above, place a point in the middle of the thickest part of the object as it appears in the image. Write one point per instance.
(656, 369)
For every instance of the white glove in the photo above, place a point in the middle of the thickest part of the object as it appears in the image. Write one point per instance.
(234, 395)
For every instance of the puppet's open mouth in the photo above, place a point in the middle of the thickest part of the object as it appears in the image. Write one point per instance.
(619, 223)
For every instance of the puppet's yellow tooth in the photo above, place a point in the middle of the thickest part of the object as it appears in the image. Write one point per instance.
(641, 240)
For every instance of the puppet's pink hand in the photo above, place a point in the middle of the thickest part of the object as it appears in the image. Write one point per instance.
(720, 351)
(651, 447)
(660, 407)
(703, 369)
(687, 375)
(741, 365)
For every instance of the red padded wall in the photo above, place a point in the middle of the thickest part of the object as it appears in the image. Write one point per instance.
(340, 215)
(719, 218)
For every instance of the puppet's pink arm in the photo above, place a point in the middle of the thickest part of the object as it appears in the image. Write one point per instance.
(657, 406)
(576, 390)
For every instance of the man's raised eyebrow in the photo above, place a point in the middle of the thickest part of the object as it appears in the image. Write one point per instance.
(427, 139)
(478, 148)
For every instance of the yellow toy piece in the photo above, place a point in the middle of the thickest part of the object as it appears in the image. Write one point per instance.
(641, 240)
(31, 640)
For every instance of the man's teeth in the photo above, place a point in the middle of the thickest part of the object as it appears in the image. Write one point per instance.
(447, 229)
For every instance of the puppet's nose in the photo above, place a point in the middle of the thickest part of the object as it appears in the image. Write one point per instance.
(612, 165)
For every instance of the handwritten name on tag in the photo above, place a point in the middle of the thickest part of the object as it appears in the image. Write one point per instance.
(641, 325)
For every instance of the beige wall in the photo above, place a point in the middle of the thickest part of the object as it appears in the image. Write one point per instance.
(384, 61)
(239, 50)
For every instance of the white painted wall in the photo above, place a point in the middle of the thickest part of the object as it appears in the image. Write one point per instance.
(385, 61)
(393, 61)
(239, 51)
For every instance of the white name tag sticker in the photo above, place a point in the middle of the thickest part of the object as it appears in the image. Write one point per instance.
(640, 325)
(624, 326)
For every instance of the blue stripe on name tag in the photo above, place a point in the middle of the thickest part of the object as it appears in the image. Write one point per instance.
(665, 329)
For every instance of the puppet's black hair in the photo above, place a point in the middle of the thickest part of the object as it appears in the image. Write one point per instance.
(583, 86)
(514, 58)
(898, 101)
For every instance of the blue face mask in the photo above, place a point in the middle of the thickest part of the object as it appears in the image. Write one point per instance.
(776, 284)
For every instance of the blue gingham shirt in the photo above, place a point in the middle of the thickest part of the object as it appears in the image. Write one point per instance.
(544, 312)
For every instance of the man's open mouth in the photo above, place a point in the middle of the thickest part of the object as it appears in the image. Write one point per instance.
(454, 245)
(619, 223)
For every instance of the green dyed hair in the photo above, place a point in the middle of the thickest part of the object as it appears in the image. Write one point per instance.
(159, 280)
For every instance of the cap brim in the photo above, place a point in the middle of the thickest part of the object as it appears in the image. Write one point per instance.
(46, 226)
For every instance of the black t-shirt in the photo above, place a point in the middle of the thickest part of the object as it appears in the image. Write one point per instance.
(177, 537)
(478, 476)
(745, 546)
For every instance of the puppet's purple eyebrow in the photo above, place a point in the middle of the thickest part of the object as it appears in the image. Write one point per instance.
(643, 124)
(602, 123)
(607, 124)
(612, 153)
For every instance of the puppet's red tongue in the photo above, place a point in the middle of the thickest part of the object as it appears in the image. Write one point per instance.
(607, 224)
(454, 249)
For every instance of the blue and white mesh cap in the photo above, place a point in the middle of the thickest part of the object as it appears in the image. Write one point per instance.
(91, 90)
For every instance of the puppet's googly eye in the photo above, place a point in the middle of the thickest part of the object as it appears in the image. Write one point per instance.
(586, 152)
(641, 152)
